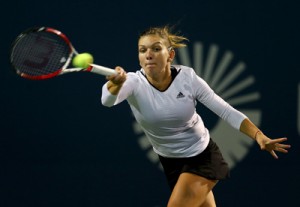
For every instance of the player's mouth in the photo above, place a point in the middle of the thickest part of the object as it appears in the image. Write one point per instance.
(150, 64)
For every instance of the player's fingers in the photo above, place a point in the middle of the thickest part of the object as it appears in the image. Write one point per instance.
(121, 72)
(281, 150)
(110, 77)
(278, 140)
(117, 77)
(284, 146)
(119, 69)
(274, 154)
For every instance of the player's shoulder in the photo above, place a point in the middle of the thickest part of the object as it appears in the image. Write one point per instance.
(139, 74)
(184, 70)
(135, 77)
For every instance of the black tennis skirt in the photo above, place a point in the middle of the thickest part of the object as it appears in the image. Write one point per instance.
(209, 164)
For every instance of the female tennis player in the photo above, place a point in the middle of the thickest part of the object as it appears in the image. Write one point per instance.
(163, 99)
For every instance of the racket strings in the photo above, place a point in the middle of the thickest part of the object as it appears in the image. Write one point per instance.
(40, 53)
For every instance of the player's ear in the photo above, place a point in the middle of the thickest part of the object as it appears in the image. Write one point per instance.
(171, 54)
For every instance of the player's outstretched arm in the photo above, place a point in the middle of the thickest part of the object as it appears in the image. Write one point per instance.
(265, 143)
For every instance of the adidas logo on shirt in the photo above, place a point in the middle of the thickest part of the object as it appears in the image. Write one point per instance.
(180, 95)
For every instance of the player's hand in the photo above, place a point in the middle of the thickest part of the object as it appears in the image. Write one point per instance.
(115, 82)
(119, 78)
(272, 145)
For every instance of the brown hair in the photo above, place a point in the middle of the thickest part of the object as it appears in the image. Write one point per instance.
(175, 40)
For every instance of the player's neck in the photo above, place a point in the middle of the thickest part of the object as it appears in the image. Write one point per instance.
(161, 82)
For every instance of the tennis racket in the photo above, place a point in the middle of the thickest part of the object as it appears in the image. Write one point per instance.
(43, 52)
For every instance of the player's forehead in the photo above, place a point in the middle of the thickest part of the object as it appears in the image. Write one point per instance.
(151, 40)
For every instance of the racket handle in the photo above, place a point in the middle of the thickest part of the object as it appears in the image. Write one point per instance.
(102, 70)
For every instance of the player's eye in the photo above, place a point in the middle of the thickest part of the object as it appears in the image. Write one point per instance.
(142, 50)
(156, 49)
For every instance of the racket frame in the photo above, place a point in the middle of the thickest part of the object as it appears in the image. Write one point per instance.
(101, 70)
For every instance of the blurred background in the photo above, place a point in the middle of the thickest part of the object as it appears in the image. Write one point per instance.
(60, 147)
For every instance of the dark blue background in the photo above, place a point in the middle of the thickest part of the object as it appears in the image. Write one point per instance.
(60, 147)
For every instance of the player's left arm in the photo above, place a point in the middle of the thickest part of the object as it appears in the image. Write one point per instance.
(265, 143)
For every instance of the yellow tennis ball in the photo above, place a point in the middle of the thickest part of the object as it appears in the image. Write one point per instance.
(82, 60)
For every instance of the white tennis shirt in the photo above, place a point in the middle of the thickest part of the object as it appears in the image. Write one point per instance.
(169, 118)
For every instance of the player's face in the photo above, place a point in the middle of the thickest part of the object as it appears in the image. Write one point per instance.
(153, 54)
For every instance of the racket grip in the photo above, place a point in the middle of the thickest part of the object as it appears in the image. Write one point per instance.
(102, 70)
